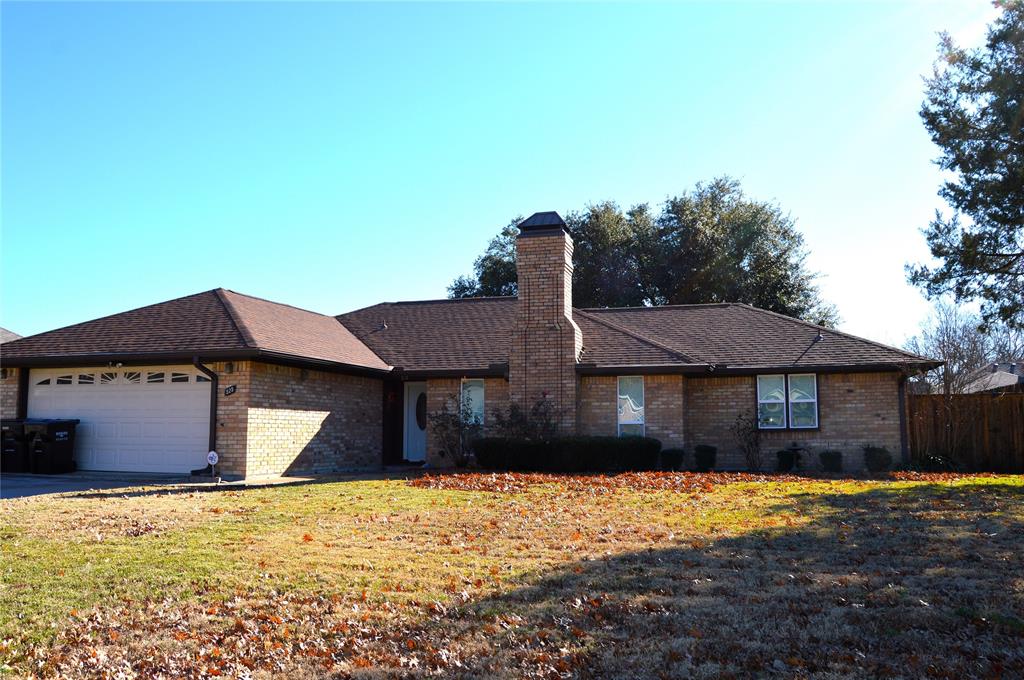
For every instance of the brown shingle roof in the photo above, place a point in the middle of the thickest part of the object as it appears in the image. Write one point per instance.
(218, 322)
(741, 336)
(437, 335)
(297, 332)
(473, 334)
(192, 323)
(7, 336)
(454, 336)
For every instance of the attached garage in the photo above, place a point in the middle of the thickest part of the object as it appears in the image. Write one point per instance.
(133, 419)
(293, 391)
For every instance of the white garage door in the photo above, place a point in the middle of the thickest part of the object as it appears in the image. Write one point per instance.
(137, 419)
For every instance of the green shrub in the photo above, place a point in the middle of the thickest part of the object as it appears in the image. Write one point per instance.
(672, 459)
(704, 456)
(831, 461)
(568, 454)
(877, 458)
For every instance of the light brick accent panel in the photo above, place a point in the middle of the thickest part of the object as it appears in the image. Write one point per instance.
(9, 394)
(663, 406)
(854, 410)
(446, 390)
(289, 421)
(546, 342)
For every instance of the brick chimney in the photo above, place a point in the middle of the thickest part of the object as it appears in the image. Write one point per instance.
(546, 342)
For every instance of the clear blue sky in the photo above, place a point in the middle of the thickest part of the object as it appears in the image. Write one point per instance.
(334, 155)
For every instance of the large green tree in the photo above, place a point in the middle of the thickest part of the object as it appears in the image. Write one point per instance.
(711, 244)
(974, 111)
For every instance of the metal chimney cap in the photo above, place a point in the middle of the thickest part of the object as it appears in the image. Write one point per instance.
(543, 222)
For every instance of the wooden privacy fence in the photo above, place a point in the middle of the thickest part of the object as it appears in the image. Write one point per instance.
(981, 432)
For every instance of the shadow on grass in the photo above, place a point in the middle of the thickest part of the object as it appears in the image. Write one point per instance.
(923, 581)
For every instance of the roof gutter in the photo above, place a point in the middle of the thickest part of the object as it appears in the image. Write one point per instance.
(492, 371)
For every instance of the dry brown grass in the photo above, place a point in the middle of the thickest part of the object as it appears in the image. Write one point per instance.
(656, 576)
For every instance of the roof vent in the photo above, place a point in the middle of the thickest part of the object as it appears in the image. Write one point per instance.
(383, 324)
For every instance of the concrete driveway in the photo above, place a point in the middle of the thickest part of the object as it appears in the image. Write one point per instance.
(24, 485)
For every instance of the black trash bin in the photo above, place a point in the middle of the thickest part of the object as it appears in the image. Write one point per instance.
(51, 445)
(13, 448)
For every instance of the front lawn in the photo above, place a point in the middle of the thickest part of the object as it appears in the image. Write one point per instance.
(645, 575)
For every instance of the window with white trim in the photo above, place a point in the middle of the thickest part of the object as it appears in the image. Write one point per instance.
(803, 401)
(771, 402)
(472, 400)
(631, 406)
(787, 401)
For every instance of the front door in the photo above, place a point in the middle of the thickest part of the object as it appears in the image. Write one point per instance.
(415, 421)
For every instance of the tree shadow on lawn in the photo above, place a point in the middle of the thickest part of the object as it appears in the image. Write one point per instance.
(909, 582)
(917, 581)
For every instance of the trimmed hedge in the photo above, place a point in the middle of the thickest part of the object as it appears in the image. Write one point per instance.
(831, 461)
(672, 459)
(568, 454)
(704, 456)
(877, 458)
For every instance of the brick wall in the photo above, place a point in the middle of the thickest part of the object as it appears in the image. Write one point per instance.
(663, 406)
(9, 394)
(598, 411)
(546, 342)
(233, 415)
(442, 391)
(304, 421)
(854, 410)
(282, 420)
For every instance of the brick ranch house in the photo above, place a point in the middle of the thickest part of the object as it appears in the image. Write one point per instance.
(279, 390)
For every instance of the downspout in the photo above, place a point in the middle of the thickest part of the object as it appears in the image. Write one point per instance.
(213, 400)
(904, 443)
(22, 409)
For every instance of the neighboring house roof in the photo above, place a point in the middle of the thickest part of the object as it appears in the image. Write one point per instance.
(7, 336)
(455, 336)
(999, 376)
(217, 323)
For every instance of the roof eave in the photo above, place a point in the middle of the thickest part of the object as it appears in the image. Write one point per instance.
(498, 370)
(141, 358)
(722, 369)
